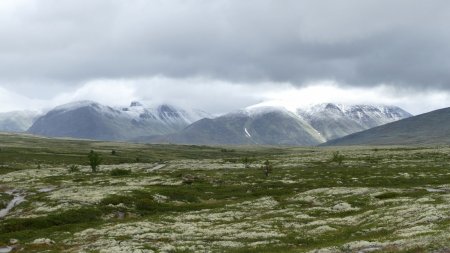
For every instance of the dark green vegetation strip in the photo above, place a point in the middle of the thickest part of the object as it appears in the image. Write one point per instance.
(52, 220)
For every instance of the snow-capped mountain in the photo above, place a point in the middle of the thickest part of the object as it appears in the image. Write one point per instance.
(337, 120)
(269, 123)
(257, 124)
(254, 125)
(91, 120)
(17, 121)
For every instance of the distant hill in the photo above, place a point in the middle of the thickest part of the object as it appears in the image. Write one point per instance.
(428, 128)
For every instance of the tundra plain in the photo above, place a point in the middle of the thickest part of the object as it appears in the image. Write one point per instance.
(174, 198)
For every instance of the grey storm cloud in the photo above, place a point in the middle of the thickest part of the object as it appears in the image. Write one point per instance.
(405, 43)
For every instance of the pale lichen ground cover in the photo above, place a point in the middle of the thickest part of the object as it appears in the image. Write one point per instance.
(379, 200)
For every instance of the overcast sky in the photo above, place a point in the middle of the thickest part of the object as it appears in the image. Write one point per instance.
(222, 55)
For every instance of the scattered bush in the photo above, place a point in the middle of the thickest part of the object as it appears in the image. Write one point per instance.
(94, 160)
(120, 172)
(247, 161)
(388, 195)
(73, 168)
(337, 158)
(231, 160)
(373, 159)
(147, 205)
(267, 168)
(224, 150)
(188, 179)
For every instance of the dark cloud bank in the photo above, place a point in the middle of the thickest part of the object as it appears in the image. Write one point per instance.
(358, 43)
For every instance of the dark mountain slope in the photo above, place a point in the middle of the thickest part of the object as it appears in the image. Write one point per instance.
(429, 128)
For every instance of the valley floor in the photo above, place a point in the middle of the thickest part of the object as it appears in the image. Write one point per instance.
(201, 199)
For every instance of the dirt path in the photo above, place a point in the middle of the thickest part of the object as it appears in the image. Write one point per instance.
(18, 198)
(157, 167)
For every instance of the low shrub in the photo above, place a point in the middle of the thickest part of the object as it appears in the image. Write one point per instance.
(120, 172)
(388, 195)
(67, 217)
(73, 168)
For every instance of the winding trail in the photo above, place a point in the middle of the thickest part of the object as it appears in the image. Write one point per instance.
(18, 198)
(157, 167)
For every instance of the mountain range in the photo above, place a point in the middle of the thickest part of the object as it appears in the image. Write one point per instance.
(259, 124)
(276, 125)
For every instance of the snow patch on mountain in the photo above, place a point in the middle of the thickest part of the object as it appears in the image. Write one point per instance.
(247, 133)
(259, 109)
(74, 105)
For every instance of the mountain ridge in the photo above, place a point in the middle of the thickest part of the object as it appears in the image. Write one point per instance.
(426, 128)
